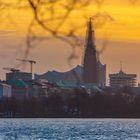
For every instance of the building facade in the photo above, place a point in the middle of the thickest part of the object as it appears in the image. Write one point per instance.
(19, 89)
(18, 76)
(122, 79)
(102, 74)
(5, 90)
(37, 89)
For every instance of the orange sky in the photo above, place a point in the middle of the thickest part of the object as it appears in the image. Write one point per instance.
(122, 33)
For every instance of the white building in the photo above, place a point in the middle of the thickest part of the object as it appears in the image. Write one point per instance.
(122, 79)
(5, 90)
(102, 74)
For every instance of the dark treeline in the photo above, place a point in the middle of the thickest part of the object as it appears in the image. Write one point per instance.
(77, 104)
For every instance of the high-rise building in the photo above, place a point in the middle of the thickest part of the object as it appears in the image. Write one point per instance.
(102, 74)
(93, 71)
(122, 79)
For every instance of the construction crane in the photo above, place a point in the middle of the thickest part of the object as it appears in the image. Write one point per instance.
(11, 69)
(29, 61)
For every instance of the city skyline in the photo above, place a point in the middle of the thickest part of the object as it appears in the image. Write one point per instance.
(122, 35)
(62, 67)
(69, 69)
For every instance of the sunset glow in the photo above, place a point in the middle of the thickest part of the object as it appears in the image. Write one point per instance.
(124, 24)
(116, 21)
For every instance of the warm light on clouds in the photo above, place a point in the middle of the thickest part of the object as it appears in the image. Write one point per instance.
(124, 26)
(116, 20)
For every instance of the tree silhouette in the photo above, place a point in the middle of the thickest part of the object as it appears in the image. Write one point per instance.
(53, 15)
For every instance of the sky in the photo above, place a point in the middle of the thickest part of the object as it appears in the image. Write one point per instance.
(119, 26)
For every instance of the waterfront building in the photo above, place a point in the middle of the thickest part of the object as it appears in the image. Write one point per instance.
(5, 90)
(19, 89)
(37, 89)
(73, 75)
(121, 79)
(102, 74)
(18, 75)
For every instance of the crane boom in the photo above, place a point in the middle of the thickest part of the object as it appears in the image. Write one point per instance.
(26, 60)
(11, 69)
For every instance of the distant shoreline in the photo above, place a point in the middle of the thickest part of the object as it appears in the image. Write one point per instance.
(80, 117)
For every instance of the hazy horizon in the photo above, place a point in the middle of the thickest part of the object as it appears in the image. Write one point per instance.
(122, 33)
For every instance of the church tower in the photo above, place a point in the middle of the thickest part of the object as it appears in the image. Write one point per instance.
(90, 62)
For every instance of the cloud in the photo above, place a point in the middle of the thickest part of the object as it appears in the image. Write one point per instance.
(6, 32)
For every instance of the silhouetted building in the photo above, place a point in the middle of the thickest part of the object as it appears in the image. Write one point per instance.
(93, 71)
(102, 74)
(37, 89)
(19, 89)
(18, 75)
(122, 79)
(73, 75)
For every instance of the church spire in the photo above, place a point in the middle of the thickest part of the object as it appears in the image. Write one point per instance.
(90, 64)
(90, 35)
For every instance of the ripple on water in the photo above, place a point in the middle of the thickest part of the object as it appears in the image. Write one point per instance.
(69, 129)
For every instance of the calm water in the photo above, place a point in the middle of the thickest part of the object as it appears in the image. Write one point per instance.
(69, 129)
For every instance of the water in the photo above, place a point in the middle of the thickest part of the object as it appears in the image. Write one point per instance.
(69, 129)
